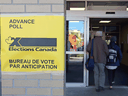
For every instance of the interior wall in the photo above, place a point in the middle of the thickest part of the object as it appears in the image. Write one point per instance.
(124, 44)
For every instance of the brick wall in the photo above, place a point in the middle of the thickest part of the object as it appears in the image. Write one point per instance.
(33, 84)
(39, 84)
(45, 6)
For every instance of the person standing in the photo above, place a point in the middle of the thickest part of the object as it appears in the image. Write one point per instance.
(114, 60)
(100, 52)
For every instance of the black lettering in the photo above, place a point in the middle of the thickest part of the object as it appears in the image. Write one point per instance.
(11, 65)
(18, 61)
(10, 25)
(43, 67)
(33, 66)
(18, 21)
(21, 21)
(14, 65)
(47, 61)
(11, 21)
(25, 61)
(14, 21)
(52, 61)
(55, 66)
(29, 21)
(29, 66)
(25, 21)
(23, 66)
(32, 21)
(18, 65)
(11, 61)
(35, 61)
(37, 49)
(38, 66)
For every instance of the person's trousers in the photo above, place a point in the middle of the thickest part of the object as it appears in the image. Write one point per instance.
(111, 76)
(99, 74)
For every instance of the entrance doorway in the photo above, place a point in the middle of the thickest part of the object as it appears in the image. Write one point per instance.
(116, 27)
(86, 16)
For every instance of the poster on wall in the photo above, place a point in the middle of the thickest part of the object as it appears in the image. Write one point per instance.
(32, 43)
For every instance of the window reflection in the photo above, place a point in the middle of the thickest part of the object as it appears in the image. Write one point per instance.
(74, 67)
(75, 37)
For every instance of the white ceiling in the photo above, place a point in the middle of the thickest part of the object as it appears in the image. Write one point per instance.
(114, 21)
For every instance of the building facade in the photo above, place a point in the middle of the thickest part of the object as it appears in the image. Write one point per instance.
(32, 84)
(54, 83)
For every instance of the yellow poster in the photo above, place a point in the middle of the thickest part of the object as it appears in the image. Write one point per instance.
(32, 43)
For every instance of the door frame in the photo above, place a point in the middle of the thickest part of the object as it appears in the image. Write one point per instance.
(86, 38)
(86, 15)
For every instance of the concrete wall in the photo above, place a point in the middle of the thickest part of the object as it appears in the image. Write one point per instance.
(124, 34)
(39, 84)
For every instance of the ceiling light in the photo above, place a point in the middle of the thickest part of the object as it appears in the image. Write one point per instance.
(95, 27)
(74, 21)
(104, 21)
(77, 8)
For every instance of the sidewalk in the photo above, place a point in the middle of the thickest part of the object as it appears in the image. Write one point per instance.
(90, 91)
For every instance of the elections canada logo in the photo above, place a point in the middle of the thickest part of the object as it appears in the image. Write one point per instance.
(31, 44)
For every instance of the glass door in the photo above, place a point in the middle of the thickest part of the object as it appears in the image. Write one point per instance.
(76, 40)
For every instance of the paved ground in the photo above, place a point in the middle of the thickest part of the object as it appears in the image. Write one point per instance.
(90, 91)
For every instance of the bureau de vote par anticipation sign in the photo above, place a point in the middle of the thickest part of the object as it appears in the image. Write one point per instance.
(32, 43)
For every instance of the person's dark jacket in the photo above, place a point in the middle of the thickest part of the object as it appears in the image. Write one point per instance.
(119, 54)
(100, 50)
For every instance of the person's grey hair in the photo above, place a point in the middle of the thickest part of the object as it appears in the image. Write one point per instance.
(98, 33)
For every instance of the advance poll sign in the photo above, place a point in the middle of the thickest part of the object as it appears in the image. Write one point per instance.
(32, 43)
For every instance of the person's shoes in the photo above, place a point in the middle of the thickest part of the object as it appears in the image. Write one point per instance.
(97, 90)
(110, 88)
(101, 88)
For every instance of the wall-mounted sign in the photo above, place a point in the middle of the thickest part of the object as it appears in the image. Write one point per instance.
(32, 43)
